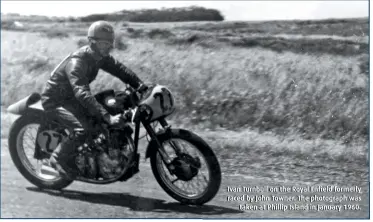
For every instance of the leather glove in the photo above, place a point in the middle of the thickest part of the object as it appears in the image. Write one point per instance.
(142, 88)
(113, 120)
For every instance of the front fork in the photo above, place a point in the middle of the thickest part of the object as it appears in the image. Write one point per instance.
(175, 146)
(166, 158)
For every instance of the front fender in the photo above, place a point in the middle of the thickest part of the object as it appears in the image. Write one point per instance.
(20, 107)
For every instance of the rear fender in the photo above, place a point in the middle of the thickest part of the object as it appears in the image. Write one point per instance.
(27, 105)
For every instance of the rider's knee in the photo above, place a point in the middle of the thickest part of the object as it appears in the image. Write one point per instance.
(79, 135)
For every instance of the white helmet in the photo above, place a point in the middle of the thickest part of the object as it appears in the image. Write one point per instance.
(101, 30)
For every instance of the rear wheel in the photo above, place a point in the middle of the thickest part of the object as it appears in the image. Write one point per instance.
(190, 172)
(23, 134)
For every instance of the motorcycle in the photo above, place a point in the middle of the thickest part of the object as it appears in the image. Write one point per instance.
(110, 153)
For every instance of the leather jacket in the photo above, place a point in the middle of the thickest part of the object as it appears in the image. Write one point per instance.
(71, 78)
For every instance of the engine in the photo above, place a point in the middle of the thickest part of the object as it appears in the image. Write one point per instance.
(105, 157)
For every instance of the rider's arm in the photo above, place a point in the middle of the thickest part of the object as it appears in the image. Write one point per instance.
(122, 72)
(76, 73)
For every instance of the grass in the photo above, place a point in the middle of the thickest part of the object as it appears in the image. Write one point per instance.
(344, 37)
(330, 27)
(317, 96)
(313, 102)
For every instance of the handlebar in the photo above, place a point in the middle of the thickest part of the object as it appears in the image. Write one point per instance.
(142, 89)
(135, 98)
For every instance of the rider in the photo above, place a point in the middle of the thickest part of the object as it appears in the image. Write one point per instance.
(68, 97)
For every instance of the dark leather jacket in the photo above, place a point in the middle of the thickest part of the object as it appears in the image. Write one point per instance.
(71, 78)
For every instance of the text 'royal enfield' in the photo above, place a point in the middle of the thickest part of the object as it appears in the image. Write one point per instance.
(110, 153)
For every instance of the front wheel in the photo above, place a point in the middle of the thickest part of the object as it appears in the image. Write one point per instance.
(188, 168)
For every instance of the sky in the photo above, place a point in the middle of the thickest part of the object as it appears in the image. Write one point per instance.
(231, 10)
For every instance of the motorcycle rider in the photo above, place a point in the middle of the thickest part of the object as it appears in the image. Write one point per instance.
(67, 95)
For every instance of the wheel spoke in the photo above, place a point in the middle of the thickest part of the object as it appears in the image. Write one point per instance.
(33, 138)
(198, 184)
(205, 179)
(29, 145)
(175, 147)
(175, 180)
(32, 165)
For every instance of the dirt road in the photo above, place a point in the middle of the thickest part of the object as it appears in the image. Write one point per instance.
(142, 197)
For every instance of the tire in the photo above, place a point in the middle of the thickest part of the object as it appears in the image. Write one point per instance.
(210, 158)
(58, 183)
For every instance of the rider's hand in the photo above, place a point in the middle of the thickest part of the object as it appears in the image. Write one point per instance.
(115, 119)
(142, 88)
(112, 120)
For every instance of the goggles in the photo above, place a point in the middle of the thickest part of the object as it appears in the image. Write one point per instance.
(103, 43)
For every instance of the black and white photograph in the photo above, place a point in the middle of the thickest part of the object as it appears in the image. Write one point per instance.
(185, 110)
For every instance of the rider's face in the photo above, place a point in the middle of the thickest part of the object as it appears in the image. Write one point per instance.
(104, 46)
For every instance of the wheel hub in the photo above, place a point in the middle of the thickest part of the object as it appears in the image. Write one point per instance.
(186, 167)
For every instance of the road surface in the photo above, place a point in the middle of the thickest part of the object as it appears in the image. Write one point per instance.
(142, 197)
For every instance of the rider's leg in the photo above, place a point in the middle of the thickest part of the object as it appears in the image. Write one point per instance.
(73, 117)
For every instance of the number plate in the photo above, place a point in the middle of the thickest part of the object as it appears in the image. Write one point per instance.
(49, 139)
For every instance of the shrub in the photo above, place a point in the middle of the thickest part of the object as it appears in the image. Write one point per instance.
(135, 33)
(82, 42)
(56, 34)
(364, 64)
(118, 44)
(36, 63)
(177, 15)
(154, 15)
(305, 45)
(160, 33)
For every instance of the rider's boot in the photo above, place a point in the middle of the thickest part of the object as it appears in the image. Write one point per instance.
(63, 159)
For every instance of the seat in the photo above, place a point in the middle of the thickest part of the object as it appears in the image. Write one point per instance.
(32, 101)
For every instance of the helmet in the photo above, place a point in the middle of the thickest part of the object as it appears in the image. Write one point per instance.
(101, 30)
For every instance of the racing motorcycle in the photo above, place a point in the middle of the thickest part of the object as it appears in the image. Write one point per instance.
(110, 153)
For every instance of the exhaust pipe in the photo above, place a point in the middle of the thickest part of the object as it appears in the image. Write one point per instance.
(49, 171)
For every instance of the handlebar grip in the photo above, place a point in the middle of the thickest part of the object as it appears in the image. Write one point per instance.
(127, 116)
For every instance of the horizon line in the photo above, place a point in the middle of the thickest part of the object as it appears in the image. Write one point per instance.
(262, 20)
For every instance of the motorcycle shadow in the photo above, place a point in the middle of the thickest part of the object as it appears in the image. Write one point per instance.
(137, 203)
